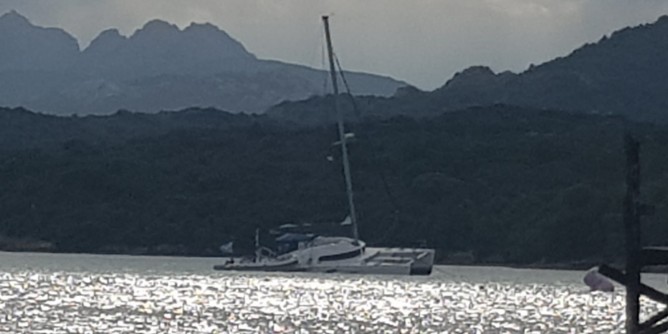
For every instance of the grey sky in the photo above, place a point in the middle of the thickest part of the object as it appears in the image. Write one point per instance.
(423, 42)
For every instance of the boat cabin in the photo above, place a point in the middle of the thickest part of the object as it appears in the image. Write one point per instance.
(289, 242)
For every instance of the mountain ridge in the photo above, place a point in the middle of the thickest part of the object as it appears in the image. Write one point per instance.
(158, 67)
(52, 49)
(621, 74)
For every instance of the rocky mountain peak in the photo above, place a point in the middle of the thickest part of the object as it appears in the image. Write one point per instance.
(473, 75)
(158, 67)
(156, 28)
(107, 42)
(202, 27)
(29, 47)
(109, 36)
(13, 18)
(112, 33)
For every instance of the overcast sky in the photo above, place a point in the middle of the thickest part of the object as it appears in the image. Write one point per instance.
(423, 42)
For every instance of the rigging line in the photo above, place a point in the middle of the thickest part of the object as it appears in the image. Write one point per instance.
(393, 202)
(312, 55)
(350, 95)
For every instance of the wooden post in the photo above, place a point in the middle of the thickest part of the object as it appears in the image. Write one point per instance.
(636, 256)
(632, 229)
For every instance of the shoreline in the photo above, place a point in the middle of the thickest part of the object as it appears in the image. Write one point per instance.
(26, 245)
(567, 266)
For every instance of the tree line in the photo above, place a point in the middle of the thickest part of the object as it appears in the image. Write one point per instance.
(498, 184)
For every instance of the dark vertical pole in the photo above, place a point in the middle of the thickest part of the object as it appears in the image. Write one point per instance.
(342, 131)
(632, 229)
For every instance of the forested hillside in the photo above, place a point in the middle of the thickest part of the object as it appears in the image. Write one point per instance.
(502, 184)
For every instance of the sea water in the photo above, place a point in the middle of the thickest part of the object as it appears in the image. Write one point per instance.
(48, 293)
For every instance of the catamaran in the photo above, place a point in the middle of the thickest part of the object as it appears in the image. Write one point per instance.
(334, 254)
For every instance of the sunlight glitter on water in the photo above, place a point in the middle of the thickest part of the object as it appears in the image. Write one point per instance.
(47, 301)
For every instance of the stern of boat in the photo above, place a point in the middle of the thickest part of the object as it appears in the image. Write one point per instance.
(423, 262)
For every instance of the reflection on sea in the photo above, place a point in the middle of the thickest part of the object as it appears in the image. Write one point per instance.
(115, 299)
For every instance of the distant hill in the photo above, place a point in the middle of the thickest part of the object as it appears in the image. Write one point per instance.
(159, 67)
(26, 47)
(504, 184)
(623, 74)
(21, 129)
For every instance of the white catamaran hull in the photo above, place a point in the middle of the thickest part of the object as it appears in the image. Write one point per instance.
(390, 261)
(342, 255)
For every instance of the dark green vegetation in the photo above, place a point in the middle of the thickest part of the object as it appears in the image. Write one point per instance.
(505, 184)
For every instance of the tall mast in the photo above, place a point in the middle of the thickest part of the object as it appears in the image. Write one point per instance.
(342, 132)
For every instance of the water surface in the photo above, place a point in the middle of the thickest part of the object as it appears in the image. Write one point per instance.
(46, 293)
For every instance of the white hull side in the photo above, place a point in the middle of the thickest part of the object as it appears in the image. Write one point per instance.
(373, 261)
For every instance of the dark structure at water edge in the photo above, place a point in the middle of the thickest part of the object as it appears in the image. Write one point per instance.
(637, 256)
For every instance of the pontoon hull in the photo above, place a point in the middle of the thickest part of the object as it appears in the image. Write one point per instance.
(373, 261)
